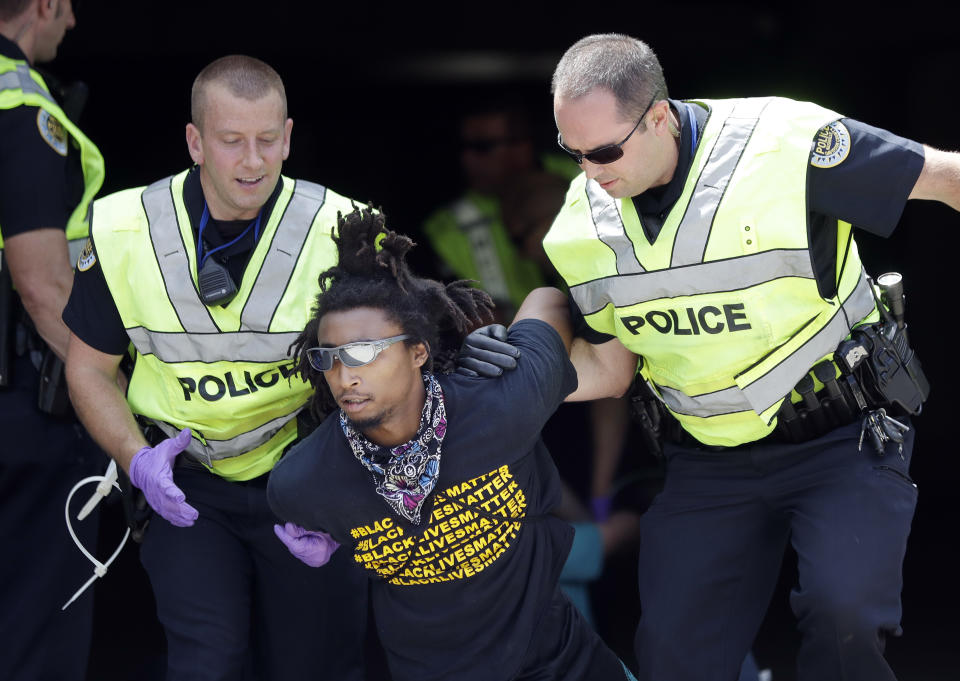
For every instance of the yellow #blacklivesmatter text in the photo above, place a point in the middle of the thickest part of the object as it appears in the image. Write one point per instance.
(463, 536)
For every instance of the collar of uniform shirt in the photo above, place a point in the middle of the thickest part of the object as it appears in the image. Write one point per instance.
(657, 201)
(10, 49)
(222, 231)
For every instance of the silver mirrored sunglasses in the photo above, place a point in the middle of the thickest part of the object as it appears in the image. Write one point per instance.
(351, 354)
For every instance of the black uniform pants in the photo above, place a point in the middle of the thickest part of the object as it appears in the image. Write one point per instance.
(236, 605)
(41, 458)
(712, 543)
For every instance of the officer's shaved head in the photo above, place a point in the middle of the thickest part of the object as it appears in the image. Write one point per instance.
(625, 66)
(242, 76)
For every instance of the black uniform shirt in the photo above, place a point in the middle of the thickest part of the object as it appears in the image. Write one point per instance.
(868, 189)
(39, 185)
(91, 312)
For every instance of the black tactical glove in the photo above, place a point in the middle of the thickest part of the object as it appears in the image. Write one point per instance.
(486, 353)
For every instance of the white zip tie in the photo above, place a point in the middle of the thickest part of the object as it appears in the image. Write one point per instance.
(106, 481)
(103, 489)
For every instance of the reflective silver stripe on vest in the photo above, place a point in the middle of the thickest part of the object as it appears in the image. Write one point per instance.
(222, 346)
(478, 229)
(610, 229)
(74, 248)
(215, 450)
(709, 277)
(172, 258)
(727, 401)
(766, 390)
(694, 230)
(20, 79)
(288, 240)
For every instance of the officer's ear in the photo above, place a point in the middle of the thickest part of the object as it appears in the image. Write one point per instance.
(659, 117)
(45, 8)
(287, 131)
(194, 145)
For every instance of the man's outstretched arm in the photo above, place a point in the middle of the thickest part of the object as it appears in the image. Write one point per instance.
(604, 370)
(548, 305)
(940, 178)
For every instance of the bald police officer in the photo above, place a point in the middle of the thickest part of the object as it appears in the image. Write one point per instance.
(209, 274)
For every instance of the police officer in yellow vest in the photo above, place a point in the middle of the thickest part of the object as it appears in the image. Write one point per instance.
(210, 274)
(713, 240)
(49, 173)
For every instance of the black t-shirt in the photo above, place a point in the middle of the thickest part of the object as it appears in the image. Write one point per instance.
(91, 312)
(460, 596)
(868, 189)
(41, 179)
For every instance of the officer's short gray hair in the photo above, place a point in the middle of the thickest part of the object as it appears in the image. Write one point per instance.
(11, 9)
(625, 66)
(242, 76)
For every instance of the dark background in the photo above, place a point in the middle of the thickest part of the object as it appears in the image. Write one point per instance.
(374, 92)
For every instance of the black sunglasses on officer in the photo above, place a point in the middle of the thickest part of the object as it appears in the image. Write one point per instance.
(608, 153)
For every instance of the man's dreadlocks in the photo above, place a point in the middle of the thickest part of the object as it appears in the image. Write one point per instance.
(372, 271)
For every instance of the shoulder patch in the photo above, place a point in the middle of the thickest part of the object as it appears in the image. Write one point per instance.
(52, 132)
(87, 257)
(831, 146)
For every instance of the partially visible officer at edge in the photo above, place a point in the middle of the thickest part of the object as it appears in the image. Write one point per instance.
(713, 239)
(49, 173)
(210, 274)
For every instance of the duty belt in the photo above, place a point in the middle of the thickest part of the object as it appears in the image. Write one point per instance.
(874, 375)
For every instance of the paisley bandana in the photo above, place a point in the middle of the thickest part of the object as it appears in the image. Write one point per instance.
(404, 475)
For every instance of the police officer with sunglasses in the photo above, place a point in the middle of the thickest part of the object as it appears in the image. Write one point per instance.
(708, 245)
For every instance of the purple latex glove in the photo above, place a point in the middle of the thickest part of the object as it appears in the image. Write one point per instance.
(313, 548)
(152, 471)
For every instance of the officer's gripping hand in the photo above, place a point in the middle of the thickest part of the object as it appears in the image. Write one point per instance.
(486, 353)
(152, 471)
(313, 548)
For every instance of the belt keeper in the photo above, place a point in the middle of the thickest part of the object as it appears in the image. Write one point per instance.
(826, 373)
(814, 409)
(789, 421)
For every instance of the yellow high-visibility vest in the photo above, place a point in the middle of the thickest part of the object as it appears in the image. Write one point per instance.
(224, 372)
(724, 306)
(22, 86)
(470, 238)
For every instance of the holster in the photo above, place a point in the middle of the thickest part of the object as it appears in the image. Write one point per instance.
(649, 413)
(892, 372)
(52, 394)
(135, 507)
(18, 336)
